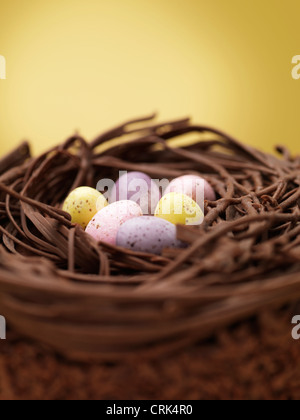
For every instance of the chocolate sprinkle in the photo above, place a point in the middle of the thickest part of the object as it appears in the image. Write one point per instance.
(93, 301)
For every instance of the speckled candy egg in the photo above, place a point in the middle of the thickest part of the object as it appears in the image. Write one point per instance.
(138, 187)
(105, 224)
(83, 203)
(148, 234)
(179, 209)
(194, 186)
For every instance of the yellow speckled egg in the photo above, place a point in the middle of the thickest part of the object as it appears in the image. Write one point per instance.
(179, 209)
(83, 203)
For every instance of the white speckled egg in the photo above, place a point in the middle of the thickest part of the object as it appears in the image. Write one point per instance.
(105, 224)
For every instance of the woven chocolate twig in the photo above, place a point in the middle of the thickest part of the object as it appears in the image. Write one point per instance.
(59, 285)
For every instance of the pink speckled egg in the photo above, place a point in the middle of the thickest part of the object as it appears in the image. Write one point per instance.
(194, 187)
(105, 224)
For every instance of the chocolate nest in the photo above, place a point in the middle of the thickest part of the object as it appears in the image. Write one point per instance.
(91, 300)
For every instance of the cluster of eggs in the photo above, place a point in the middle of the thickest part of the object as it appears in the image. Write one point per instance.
(149, 226)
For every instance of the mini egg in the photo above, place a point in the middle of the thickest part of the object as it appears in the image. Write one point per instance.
(148, 234)
(82, 204)
(138, 187)
(194, 186)
(179, 209)
(105, 224)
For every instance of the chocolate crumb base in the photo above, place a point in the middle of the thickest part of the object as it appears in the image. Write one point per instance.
(252, 360)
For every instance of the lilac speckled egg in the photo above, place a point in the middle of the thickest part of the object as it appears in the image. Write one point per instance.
(138, 187)
(148, 234)
(105, 224)
(193, 186)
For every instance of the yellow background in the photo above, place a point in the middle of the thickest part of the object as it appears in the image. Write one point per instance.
(86, 65)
